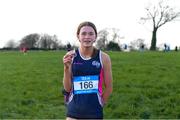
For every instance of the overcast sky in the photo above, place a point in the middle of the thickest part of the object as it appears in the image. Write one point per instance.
(61, 17)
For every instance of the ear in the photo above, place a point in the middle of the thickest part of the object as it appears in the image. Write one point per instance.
(78, 37)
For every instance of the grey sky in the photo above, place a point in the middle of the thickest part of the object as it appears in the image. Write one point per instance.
(61, 17)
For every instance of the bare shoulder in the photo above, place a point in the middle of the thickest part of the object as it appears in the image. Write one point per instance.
(105, 58)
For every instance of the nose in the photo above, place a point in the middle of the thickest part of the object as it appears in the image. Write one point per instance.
(87, 37)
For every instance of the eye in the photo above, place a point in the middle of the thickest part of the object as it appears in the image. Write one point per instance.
(83, 33)
(91, 33)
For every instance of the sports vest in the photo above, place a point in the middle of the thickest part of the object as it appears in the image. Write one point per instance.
(85, 98)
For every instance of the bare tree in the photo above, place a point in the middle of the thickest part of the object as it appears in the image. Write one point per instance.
(55, 42)
(137, 44)
(106, 35)
(116, 36)
(11, 44)
(47, 41)
(30, 40)
(102, 39)
(159, 15)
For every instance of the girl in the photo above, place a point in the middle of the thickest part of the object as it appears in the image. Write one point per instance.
(86, 71)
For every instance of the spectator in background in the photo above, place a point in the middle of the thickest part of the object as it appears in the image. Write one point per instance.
(69, 47)
(176, 48)
(24, 50)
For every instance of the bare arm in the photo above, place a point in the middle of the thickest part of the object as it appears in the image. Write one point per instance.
(67, 60)
(107, 77)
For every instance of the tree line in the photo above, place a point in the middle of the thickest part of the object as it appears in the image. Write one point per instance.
(37, 41)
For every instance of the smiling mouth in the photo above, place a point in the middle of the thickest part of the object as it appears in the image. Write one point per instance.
(87, 41)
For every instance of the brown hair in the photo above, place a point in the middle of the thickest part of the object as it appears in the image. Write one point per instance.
(86, 23)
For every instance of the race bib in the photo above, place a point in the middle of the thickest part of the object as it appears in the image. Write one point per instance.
(86, 84)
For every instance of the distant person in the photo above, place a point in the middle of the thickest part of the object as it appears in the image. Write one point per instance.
(168, 48)
(69, 47)
(176, 48)
(86, 70)
(165, 47)
(125, 46)
(142, 47)
(24, 50)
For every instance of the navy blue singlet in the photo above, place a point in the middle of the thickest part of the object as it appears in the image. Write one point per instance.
(85, 99)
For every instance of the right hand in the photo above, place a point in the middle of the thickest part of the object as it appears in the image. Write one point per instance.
(67, 59)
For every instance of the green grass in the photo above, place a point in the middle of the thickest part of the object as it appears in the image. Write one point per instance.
(146, 85)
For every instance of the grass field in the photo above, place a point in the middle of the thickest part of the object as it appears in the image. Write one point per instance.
(146, 85)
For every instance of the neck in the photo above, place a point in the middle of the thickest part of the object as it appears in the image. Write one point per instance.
(86, 52)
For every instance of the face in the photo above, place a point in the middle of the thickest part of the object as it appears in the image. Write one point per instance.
(87, 36)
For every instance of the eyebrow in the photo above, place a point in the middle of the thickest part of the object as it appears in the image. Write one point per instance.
(87, 32)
